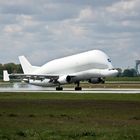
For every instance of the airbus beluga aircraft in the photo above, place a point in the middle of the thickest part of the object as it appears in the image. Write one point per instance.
(92, 66)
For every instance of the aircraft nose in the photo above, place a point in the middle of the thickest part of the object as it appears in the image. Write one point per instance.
(115, 72)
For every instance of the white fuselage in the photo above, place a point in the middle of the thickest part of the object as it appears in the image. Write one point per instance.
(92, 66)
(76, 63)
(83, 66)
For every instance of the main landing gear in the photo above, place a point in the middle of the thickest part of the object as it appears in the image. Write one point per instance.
(59, 88)
(78, 86)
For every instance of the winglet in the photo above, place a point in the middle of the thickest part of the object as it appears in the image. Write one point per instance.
(6, 76)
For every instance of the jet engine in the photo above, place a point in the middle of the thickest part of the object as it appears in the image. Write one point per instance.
(96, 80)
(65, 79)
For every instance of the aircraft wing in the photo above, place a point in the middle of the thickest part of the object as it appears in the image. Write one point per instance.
(35, 76)
(29, 76)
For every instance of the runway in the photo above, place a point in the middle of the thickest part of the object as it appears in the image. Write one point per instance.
(20, 87)
(71, 90)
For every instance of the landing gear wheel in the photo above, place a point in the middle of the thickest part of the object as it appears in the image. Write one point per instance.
(59, 88)
(78, 88)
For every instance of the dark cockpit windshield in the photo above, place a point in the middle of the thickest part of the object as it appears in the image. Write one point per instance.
(109, 60)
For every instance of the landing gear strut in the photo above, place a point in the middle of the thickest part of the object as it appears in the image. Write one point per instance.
(78, 86)
(59, 88)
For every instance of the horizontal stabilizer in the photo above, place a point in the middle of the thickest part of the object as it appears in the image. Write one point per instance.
(6, 76)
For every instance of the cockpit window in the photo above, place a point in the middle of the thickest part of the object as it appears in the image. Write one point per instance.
(108, 60)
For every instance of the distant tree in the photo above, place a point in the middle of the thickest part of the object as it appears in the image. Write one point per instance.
(119, 72)
(1, 71)
(19, 68)
(129, 73)
(11, 68)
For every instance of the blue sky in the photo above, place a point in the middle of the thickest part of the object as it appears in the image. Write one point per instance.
(43, 30)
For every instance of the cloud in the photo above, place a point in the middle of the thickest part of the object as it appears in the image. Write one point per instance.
(47, 29)
(86, 14)
(12, 29)
(125, 7)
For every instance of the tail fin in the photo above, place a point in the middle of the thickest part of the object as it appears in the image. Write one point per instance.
(6, 76)
(26, 66)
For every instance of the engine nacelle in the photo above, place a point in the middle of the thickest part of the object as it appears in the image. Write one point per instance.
(64, 79)
(96, 80)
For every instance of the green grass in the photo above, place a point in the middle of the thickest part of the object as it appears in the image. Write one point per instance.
(70, 96)
(123, 79)
(57, 116)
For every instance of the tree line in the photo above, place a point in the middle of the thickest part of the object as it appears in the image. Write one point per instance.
(11, 68)
(16, 68)
(129, 72)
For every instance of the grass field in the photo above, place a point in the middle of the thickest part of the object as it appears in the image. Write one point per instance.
(123, 78)
(57, 116)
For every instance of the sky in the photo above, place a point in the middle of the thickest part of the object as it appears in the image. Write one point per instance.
(43, 30)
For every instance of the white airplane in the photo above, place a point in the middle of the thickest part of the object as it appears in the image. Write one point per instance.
(92, 66)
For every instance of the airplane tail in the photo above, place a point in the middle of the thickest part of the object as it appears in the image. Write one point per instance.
(26, 66)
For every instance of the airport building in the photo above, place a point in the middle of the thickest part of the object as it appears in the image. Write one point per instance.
(137, 66)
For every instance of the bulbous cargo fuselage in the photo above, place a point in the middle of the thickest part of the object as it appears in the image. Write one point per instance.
(91, 65)
(94, 59)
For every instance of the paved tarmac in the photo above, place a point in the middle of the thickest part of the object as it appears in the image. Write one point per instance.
(20, 87)
(71, 90)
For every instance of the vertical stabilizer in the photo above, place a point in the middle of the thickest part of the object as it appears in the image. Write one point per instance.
(5, 76)
(26, 66)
